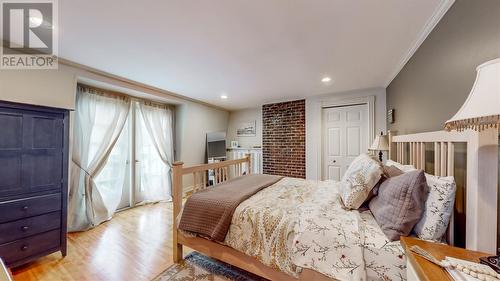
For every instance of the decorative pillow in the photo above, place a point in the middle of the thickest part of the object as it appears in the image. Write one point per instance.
(438, 208)
(389, 172)
(392, 171)
(400, 203)
(404, 168)
(359, 179)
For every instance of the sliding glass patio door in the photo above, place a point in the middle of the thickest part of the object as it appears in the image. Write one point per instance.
(121, 155)
(114, 179)
(145, 181)
(151, 172)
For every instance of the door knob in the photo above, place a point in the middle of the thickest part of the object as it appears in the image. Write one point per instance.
(334, 161)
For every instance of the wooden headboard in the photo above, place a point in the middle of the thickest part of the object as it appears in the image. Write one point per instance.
(481, 176)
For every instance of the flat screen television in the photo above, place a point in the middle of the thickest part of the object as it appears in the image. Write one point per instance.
(216, 145)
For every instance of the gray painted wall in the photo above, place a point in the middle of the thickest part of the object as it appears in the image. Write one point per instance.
(438, 78)
(436, 81)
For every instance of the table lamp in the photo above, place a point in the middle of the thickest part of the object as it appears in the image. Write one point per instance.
(481, 111)
(380, 144)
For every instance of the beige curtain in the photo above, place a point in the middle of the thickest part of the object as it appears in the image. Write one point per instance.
(99, 120)
(158, 121)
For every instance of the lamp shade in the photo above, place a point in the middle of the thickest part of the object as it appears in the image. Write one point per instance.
(380, 143)
(481, 110)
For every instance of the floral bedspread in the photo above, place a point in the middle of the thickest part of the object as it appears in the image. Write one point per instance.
(297, 224)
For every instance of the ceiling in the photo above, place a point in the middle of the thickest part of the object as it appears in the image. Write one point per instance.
(252, 51)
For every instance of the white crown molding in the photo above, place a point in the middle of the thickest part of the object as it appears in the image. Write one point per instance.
(438, 14)
(102, 79)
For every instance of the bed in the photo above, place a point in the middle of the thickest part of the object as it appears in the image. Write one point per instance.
(268, 238)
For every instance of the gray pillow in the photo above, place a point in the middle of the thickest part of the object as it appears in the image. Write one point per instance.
(400, 203)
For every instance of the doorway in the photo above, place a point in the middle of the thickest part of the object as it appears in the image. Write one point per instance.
(345, 136)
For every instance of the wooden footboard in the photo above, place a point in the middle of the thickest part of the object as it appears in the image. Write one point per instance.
(222, 171)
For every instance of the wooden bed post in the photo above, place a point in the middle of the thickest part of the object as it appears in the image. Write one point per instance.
(177, 202)
(393, 148)
(248, 156)
(482, 188)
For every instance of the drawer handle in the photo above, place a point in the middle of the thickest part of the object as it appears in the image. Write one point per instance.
(25, 228)
(24, 248)
(25, 208)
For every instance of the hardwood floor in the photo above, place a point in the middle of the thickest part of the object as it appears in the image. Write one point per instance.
(135, 245)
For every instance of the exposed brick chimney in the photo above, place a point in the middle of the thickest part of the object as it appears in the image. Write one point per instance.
(284, 138)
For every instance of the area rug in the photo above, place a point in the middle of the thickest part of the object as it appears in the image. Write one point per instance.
(200, 268)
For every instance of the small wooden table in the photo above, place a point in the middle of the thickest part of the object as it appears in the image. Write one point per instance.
(419, 268)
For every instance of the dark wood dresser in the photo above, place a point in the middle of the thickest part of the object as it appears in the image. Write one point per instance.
(33, 181)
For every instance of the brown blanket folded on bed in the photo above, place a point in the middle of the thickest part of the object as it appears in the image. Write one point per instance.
(209, 213)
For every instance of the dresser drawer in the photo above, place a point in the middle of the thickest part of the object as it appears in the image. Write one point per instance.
(31, 246)
(14, 230)
(33, 206)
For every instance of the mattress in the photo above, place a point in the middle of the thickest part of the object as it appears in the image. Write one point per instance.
(296, 224)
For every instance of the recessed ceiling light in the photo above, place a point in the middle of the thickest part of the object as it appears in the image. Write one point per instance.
(326, 79)
(224, 97)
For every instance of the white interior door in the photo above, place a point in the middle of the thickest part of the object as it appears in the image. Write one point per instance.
(345, 136)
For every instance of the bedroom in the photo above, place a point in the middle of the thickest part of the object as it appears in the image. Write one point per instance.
(303, 88)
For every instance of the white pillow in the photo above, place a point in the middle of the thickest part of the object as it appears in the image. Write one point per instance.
(438, 208)
(404, 168)
(359, 179)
